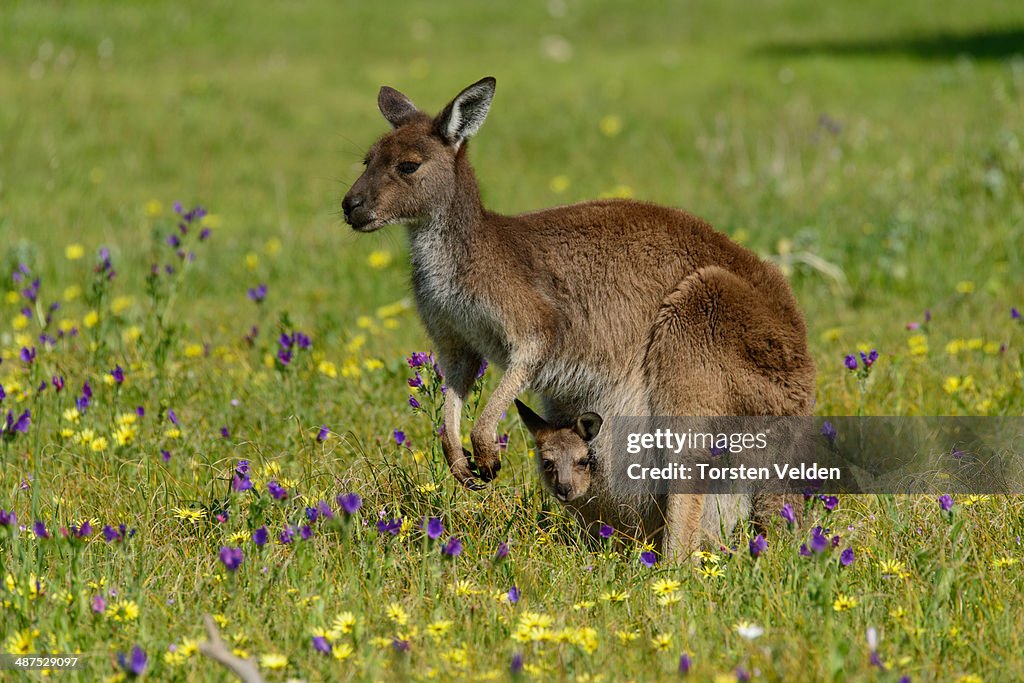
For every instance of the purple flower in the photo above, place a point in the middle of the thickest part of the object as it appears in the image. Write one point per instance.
(418, 359)
(391, 526)
(400, 644)
(83, 531)
(231, 557)
(685, 662)
(225, 433)
(28, 355)
(19, 425)
(606, 531)
(3, 394)
(322, 435)
(501, 553)
(434, 528)
(286, 535)
(320, 644)
(284, 356)
(118, 374)
(829, 432)
(758, 545)
(306, 532)
(241, 482)
(787, 514)
(99, 605)
(259, 293)
(58, 382)
(260, 536)
(850, 362)
(415, 382)
(204, 234)
(830, 502)
(648, 558)
(516, 665)
(276, 490)
(399, 437)
(350, 503)
(7, 518)
(110, 534)
(483, 369)
(946, 502)
(135, 663)
(171, 416)
(312, 514)
(513, 595)
(819, 541)
(39, 529)
(870, 358)
(846, 558)
(1014, 313)
(165, 454)
(453, 548)
(413, 402)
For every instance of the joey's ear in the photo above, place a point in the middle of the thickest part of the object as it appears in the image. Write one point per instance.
(534, 422)
(464, 115)
(588, 425)
(396, 107)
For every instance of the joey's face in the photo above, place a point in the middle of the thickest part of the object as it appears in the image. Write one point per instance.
(408, 172)
(564, 454)
(566, 464)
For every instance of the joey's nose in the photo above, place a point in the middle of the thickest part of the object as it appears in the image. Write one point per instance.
(563, 490)
(350, 204)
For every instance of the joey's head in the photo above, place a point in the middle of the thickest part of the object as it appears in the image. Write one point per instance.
(410, 173)
(564, 454)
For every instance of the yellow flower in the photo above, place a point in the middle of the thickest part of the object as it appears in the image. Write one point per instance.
(99, 443)
(72, 415)
(711, 570)
(965, 287)
(611, 125)
(124, 435)
(252, 259)
(90, 319)
(584, 605)
(121, 304)
(951, 385)
(21, 642)
(991, 348)
(12, 297)
(328, 369)
(665, 586)
(970, 678)
(372, 364)
(975, 343)
(154, 208)
(843, 603)
(379, 259)
(427, 488)
(661, 641)
(20, 322)
(126, 419)
(124, 610)
(626, 637)
(918, 345)
(189, 514)
(73, 252)
(272, 246)
(343, 623)
(71, 293)
(397, 614)
(832, 334)
(193, 350)
(559, 184)
(342, 651)
(893, 568)
(274, 662)
(1004, 562)
(173, 433)
(459, 657)
(439, 628)
(131, 335)
(614, 596)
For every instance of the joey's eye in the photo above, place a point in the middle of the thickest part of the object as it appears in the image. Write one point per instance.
(407, 167)
(548, 465)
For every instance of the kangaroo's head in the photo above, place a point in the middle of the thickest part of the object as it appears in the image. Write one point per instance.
(411, 172)
(564, 455)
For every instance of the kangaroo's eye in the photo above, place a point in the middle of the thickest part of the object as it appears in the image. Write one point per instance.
(407, 167)
(587, 462)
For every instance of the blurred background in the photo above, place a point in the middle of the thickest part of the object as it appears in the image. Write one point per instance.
(873, 149)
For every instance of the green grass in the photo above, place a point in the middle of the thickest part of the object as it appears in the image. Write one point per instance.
(854, 133)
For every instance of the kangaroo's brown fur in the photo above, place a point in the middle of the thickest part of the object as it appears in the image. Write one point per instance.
(565, 299)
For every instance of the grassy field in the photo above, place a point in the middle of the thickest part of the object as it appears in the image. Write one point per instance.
(873, 149)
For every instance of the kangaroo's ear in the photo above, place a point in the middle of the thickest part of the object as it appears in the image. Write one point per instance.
(464, 115)
(534, 422)
(588, 425)
(396, 107)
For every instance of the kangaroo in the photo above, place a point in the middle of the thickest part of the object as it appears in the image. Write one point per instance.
(563, 299)
(566, 461)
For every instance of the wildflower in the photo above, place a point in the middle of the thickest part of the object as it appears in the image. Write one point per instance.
(276, 490)
(415, 382)
(434, 528)
(685, 662)
(286, 536)
(28, 355)
(946, 502)
(273, 662)
(19, 425)
(850, 362)
(7, 518)
(392, 526)
(322, 435)
(99, 605)
(39, 529)
(453, 548)
(661, 642)
(320, 644)
(757, 546)
(418, 359)
(606, 531)
(399, 437)
(379, 259)
(846, 557)
(787, 514)
(748, 631)
(829, 432)
(73, 252)
(648, 558)
(515, 666)
(665, 586)
(260, 536)
(135, 663)
(500, 554)
(258, 294)
(830, 502)
(350, 503)
(513, 595)
(843, 603)
(231, 557)
(439, 628)
(1014, 313)
(413, 403)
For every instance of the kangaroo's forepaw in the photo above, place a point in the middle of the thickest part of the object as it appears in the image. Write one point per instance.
(487, 458)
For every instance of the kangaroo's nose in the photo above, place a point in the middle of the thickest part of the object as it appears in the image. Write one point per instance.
(350, 204)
